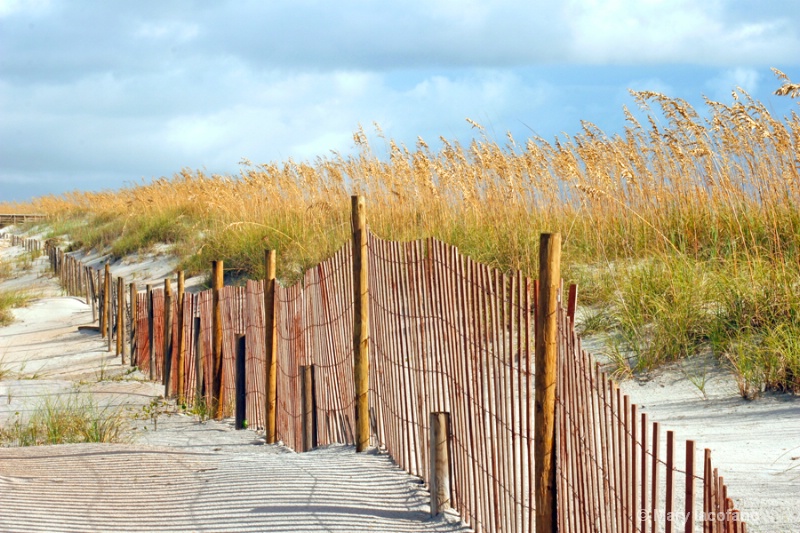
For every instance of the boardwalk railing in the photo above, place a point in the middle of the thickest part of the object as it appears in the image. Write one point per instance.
(446, 335)
(19, 218)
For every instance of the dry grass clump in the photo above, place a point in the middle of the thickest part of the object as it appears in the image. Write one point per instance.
(63, 421)
(669, 223)
(8, 301)
(6, 270)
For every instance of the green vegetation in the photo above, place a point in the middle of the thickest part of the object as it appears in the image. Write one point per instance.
(58, 421)
(684, 229)
(9, 300)
(5, 270)
(26, 260)
(5, 372)
(200, 409)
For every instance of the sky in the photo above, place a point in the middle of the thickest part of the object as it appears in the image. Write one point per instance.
(102, 95)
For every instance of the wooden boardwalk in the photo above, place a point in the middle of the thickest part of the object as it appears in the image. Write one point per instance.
(16, 218)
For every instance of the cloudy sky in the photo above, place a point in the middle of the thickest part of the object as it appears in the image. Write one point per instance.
(96, 95)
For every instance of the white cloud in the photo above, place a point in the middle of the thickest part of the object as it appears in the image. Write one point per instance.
(168, 30)
(31, 7)
(673, 31)
(720, 87)
(146, 88)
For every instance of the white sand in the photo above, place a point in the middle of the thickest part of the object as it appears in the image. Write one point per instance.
(754, 444)
(235, 486)
(175, 473)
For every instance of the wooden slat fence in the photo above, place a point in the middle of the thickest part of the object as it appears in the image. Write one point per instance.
(327, 291)
(256, 353)
(448, 334)
(197, 305)
(291, 355)
(315, 320)
(452, 335)
(232, 303)
(617, 471)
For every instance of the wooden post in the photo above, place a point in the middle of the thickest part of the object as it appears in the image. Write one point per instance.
(98, 283)
(92, 293)
(669, 504)
(198, 362)
(167, 336)
(134, 314)
(151, 332)
(545, 381)
(67, 281)
(309, 409)
(689, 486)
(439, 462)
(181, 352)
(708, 491)
(87, 289)
(121, 318)
(217, 400)
(572, 304)
(361, 322)
(104, 311)
(241, 381)
(109, 312)
(271, 343)
(654, 483)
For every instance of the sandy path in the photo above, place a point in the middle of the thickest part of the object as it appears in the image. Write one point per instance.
(174, 473)
(180, 488)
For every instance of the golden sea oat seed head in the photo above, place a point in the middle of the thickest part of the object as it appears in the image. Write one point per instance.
(474, 124)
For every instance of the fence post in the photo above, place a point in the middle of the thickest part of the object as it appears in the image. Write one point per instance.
(669, 504)
(361, 322)
(121, 318)
(181, 352)
(104, 312)
(708, 491)
(85, 287)
(109, 298)
(439, 462)
(689, 486)
(151, 331)
(545, 381)
(71, 275)
(134, 316)
(217, 400)
(167, 336)
(309, 409)
(654, 483)
(98, 283)
(92, 292)
(271, 343)
(198, 362)
(241, 381)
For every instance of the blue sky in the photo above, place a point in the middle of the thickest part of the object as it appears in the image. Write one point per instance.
(99, 95)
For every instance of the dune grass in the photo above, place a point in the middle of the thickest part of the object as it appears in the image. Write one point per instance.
(6, 270)
(684, 228)
(10, 300)
(76, 419)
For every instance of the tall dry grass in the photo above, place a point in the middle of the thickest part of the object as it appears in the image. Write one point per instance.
(685, 226)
